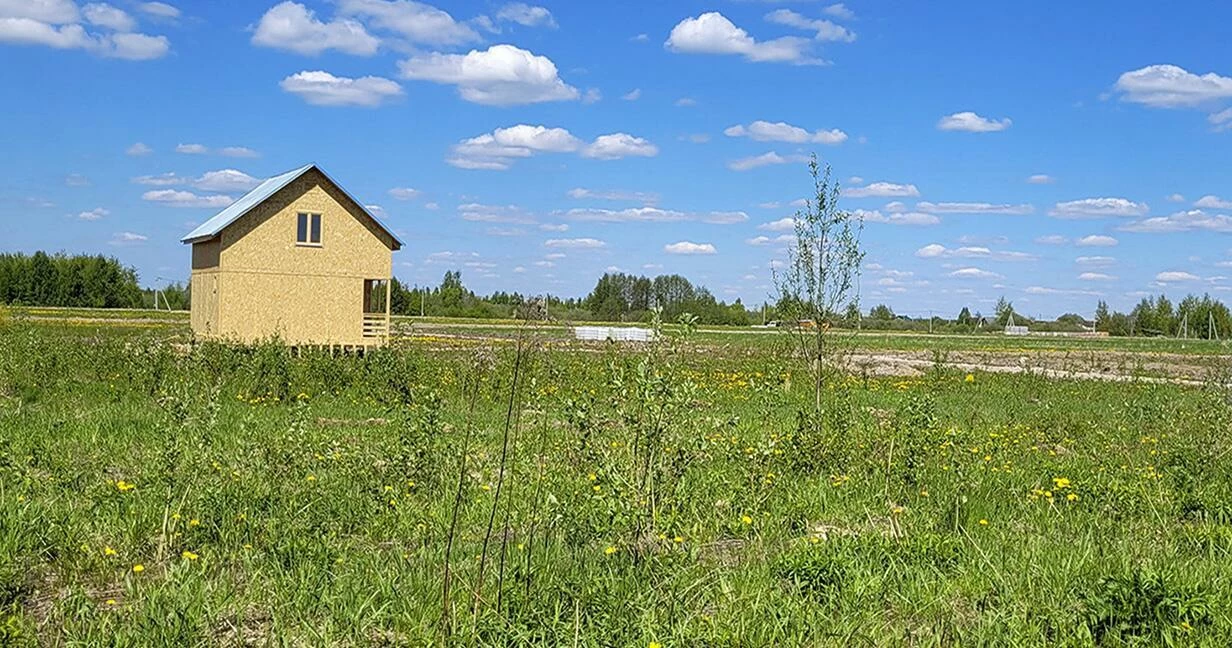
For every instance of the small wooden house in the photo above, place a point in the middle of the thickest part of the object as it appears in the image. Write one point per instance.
(297, 258)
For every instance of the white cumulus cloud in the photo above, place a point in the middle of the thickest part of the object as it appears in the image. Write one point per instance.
(526, 15)
(321, 88)
(1186, 221)
(404, 193)
(898, 217)
(765, 159)
(105, 15)
(292, 26)
(824, 29)
(619, 145)
(973, 208)
(159, 10)
(781, 225)
(1213, 202)
(840, 11)
(225, 180)
(764, 131)
(497, 150)
(974, 273)
(654, 214)
(936, 250)
(972, 123)
(1171, 86)
(882, 190)
(410, 21)
(94, 214)
(575, 243)
(1175, 276)
(1098, 208)
(713, 33)
(128, 238)
(1096, 240)
(59, 24)
(689, 247)
(179, 198)
(501, 75)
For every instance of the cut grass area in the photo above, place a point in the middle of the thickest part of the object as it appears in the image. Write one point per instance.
(613, 497)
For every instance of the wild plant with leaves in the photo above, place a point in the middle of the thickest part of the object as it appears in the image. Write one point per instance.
(821, 278)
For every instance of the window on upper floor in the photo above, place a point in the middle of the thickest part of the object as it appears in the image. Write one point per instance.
(308, 229)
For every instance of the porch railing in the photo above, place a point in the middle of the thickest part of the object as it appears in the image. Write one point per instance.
(376, 326)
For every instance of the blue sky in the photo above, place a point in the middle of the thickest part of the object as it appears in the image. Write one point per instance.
(1055, 155)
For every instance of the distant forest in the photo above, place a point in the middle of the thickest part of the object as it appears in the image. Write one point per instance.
(42, 279)
(617, 297)
(84, 281)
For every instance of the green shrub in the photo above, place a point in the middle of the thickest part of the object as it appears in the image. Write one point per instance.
(1143, 606)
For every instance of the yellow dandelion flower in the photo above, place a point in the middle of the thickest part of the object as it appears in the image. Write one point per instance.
(970, 378)
(194, 522)
(1073, 497)
(188, 555)
(138, 568)
(610, 550)
(746, 519)
(108, 551)
(124, 486)
(111, 601)
(1060, 482)
(655, 644)
(983, 522)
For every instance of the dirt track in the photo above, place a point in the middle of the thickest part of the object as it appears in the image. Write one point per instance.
(1114, 366)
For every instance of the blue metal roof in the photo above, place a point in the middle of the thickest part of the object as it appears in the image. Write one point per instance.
(212, 227)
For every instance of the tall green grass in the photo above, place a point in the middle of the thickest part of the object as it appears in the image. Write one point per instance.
(153, 493)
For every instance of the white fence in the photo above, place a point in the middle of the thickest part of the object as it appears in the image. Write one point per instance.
(613, 333)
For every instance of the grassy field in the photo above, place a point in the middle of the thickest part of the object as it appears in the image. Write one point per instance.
(523, 491)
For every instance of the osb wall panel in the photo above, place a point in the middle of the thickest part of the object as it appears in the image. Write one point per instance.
(204, 313)
(205, 254)
(263, 240)
(300, 310)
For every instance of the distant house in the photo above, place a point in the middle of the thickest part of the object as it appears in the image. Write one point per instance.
(298, 258)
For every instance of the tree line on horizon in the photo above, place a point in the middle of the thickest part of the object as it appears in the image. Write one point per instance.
(78, 281)
(98, 281)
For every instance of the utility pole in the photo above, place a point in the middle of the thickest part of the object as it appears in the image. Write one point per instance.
(930, 321)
